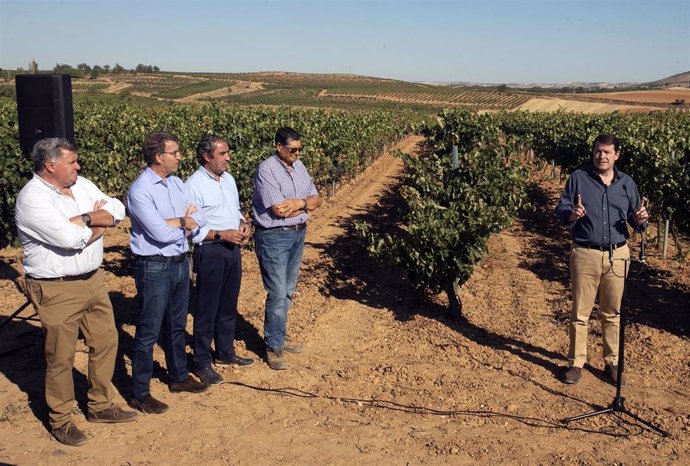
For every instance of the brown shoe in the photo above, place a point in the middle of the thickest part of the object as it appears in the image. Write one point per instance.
(572, 375)
(112, 415)
(276, 359)
(148, 405)
(293, 347)
(69, 434)
(188, 385)
(611, 372)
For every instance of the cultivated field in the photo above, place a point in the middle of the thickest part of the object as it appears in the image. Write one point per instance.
(387, 378)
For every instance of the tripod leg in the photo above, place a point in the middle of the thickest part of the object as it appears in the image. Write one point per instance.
(663, 433)
(586, 415)
(15, 313)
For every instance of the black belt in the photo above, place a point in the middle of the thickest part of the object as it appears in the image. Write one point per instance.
(298, 227)
(166, 259)
(600, 247)
(68, 278)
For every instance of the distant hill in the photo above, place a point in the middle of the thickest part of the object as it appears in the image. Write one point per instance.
(677, 80)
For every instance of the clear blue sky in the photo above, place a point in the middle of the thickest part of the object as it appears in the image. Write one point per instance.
(500, 41)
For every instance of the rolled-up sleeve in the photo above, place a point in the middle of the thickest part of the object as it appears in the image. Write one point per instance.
(37, 217)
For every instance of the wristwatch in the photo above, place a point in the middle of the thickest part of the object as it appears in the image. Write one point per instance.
(183, 222)
(216, 236)
(305, 205)
(86, 218)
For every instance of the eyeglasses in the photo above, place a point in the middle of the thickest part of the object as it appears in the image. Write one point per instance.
(293, 150)
(174, 154)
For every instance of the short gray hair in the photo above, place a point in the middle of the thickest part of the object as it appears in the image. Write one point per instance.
(49, 150)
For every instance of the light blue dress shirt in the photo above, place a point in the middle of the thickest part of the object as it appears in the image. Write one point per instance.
(219, 200)
(150, 201)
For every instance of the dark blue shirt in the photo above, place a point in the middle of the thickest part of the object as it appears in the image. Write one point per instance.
(608, 208)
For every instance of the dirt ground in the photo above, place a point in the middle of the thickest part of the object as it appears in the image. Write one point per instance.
(386, 378)
(552, 104)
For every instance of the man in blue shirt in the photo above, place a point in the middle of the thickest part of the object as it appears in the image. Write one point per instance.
(217, 259)
(163, 218)
(596, 205)
(284, 194)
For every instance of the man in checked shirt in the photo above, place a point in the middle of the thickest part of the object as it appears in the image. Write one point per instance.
(284, 194)
(596, 205)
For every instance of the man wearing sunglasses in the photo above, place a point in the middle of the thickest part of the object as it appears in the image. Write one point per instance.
(284, 194)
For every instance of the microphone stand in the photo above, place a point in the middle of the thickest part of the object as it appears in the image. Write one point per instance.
(618, 403)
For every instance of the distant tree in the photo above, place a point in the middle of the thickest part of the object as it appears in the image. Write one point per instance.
(95, 71)
(33, 66)
(118, 68)
(106, 69)
(84, 68)
(156, 69)
(141, 68)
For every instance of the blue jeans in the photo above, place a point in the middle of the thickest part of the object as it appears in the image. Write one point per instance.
(280, 255)
(163, 290)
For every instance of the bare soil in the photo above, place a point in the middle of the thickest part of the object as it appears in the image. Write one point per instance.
(386, 378)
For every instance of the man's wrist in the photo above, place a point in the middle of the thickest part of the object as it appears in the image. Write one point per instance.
(304, 207)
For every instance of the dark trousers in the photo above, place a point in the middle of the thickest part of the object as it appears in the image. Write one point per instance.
(218, 268)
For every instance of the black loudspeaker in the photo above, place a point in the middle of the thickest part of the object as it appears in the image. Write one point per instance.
(44, 108)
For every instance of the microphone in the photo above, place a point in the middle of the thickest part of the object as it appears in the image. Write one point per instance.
(643, 247)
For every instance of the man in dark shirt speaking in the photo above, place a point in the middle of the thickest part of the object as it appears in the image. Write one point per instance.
(596, 204)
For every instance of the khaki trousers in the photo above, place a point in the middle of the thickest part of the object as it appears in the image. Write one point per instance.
(591, 273)
(65, 307)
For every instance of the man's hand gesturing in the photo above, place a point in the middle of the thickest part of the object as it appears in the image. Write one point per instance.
(578, 212)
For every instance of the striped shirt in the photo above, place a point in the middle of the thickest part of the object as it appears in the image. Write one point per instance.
(275, 182)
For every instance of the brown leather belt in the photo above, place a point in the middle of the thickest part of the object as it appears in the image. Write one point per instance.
(68, 278)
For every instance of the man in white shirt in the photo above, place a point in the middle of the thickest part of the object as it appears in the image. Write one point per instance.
(61, 218)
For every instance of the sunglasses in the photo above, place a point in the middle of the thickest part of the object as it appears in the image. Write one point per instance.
(293, 150)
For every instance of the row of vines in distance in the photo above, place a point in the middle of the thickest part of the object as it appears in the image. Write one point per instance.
(449, 213)
(337, 144)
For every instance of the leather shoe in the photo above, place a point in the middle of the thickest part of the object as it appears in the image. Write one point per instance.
(69, 434)
(235, 360)
(611, 371)
(113, 415)
(572, 375)
(148, 404)
(276, 359)
(188, 385)
(208, 376)
(293, 347)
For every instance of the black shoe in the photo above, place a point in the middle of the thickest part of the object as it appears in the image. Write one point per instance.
(188, 385)
(572, 375)
(208, 376)
(69, 434)
(611, 372)
(148, 404)
(235, 360)
(112, 415)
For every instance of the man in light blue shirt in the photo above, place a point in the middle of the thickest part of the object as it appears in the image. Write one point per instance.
(217, 259)
(163, 218)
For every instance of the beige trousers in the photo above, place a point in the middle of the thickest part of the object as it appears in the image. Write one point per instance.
(65, 307)
(591, 273)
